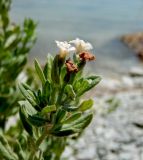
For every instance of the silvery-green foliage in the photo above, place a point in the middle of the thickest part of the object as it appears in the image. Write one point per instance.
(15, 43)
(55, 111)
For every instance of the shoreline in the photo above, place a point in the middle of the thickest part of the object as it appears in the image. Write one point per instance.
(117, 134)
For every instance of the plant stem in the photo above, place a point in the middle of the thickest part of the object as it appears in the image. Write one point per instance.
(38, 142)
(57, 158)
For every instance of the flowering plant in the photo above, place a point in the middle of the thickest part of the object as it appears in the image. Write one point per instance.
(15, 44)
(55, 111)
(50, 114)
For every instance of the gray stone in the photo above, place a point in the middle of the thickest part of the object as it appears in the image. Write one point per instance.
(118, 135)
(136, 71)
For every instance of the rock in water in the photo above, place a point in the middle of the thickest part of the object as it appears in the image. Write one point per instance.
(135, 42)
(136, 72)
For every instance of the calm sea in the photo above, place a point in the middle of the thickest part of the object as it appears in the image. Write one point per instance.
(100, 22)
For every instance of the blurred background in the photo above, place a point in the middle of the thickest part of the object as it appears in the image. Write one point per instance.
(114, 27)
(100, 22)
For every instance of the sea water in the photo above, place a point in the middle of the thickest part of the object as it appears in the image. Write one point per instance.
(101, 22)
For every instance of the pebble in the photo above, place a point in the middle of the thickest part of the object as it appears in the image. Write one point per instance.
(118, 135)
(127, 82)
(136, 71)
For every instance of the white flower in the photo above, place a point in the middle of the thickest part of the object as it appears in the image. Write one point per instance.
(65, 47)
(81, 45)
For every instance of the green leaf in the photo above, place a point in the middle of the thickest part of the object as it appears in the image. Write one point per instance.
(86, 121)
(76, 126)
(70, 92)
(11, 41)
(39, 97)
(46, 91)
(70, 108)
(55, 70)
(12, 30)
(23, 117)
(84, 84)
(85, 105)
(40, 72)
(79, 84)
(48, 109)
(93, 81)
(72, 118)
(28, 95)
(48, 67)
(60, 116)
(37, 120)
(28, 108)
(26, 86)
(5, 154)
(63, 133)
(19, 151)
(80, 123)
(5, 143)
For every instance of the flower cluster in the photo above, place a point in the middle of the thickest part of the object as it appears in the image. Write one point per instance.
(81, 45)
(65, 48)
(56, 111)
(80, 48)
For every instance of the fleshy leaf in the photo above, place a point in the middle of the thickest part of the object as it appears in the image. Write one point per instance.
(27, 95)
(69, 92)
(85, 105)
(63, 133)
(7, 146)
(23, 116)
(48, 109)
(74, 127)
(46, 91)
(84, 84)
(72, 118)
(60, 116)
(48, 67)
(55, 70)
(37, 120)
(5, 154)
(40, 72)
(83, 121)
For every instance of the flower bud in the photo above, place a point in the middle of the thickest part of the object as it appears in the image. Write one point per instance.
(71, 67)
(86, 56)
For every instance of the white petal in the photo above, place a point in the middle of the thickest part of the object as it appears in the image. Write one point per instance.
(72, 50)
(89, 46)
(81, 45)
(65, 47)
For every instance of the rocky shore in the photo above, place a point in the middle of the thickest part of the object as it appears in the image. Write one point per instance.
(117, 135)
(135, 42)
